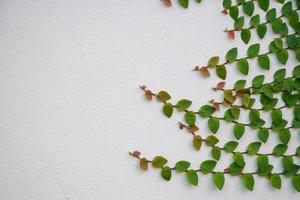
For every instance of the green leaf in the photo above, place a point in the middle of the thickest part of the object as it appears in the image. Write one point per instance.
(184, 3)
(192, 177)
(231, 55)
(248, 8)
(287, 9)
(219, 180)
(298, 151)
(264, 4)
(159, 162)
(230, 146)
(163, 96)
(206, 111)
(271, 15)
(282, 56)
(197, 142)
(268, 90)
(287, 163)
(190, 118)
(238, 159)
(208, 166)
(258, 81)
(238, 131)
(296, 71)
(221, 72)
(253, 50)
(253, 148)
(296, 182)
(279, 75)
(243, 66)
(239, 23)
(263, 135)
(279, 149)
(235, 112)
(234, 12)
(211, 140)
(213, 61)
(182, 166)
(254, 21)
(275, 181)
(168, 110)
(246, 35)
(226, 4)
(166, 173)
(263, 165)
(183, 104)
(261, 31)
(297, 112)
(248, 181)
(216, 153)
(228, 96)
(264, 62)
(213, 124)
(235, 169)
(246, 100)
(240, 84)
(285, 136)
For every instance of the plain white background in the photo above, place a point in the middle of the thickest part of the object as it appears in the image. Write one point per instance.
(71, 109)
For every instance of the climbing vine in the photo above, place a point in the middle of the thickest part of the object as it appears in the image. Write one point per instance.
(253, 98)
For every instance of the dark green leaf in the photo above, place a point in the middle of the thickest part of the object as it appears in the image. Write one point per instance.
(183, 104)
(230, 146)
(216, 153)
(192, 177)
(253, 50)
(246, 35)
(221, 72)
(190, 117)
(264, 62)
(231, 55)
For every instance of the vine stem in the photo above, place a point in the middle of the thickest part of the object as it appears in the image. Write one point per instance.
(252, 27)
(238, 59)
(197, 112)
(181, 126)
(246, 108)
(225, 171)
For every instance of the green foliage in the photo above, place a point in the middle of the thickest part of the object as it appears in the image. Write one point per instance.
(261, 96)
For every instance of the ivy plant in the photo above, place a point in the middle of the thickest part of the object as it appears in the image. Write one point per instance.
(255, 98)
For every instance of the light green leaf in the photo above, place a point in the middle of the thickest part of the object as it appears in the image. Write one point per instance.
(163, 96)
(192, 177)
(253, 50)
(208, 166)
(275, 181)
(184, 3)
(219, 180)
(168, 110)
(213, 61)
(248, 181)
(182, 166)
(190, 118)
(213, 124)
(206, 111)
(253, 148)
(159, 162)
(230, 146)
(166, 173)
(243, 66)
(238, 130)
(183, 104)
(197, 142)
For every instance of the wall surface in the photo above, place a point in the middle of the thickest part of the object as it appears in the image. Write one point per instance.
(71, 108)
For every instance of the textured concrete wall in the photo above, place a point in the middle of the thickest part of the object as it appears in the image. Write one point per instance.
(71, 109)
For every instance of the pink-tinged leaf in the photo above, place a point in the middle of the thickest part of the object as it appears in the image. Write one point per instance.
(231, 35)
(220, 85)
(216, 106)
(225, 12)
(168, 3)
(148, 95)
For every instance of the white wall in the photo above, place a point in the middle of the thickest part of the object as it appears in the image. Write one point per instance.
(71, 109)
